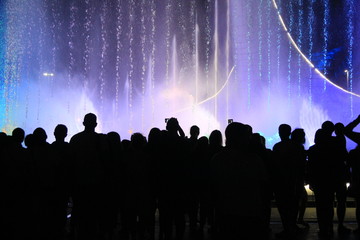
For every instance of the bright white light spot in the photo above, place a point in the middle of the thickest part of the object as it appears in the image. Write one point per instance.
(307, 188)
(46, 74)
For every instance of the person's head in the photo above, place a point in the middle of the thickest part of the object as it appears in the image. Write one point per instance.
(203, 143)
(90, 122)
(256, 140)
(126, 144)
(339, 129)
(298, 136)
(39, 136)
(154, 136)
(328, 127)
(284, 132)
(249, 128)
(237, 135)
(114, 140)
(263, 141)
(3, 138)
(320, 136)
(138, 141)
(114, 137)
(29, 141)
(172, 125)
(18, 135)
(194, 132)
(60, 132)
(216, 138)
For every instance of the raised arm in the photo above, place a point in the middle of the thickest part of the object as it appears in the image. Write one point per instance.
(349, 130)
(181, 131)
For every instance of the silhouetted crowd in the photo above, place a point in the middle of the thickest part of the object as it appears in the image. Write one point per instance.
(98, 184)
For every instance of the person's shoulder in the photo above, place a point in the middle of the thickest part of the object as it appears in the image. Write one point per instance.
(312, 149)
(76, 137)
(278, 145)
(298, 147)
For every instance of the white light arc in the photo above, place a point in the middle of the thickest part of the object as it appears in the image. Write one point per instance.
(304, 56)
(211, 97)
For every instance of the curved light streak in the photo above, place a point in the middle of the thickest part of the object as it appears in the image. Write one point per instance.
(304, 56)
(211, 97)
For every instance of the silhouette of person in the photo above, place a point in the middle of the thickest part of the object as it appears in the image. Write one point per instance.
(238, 204)
(3, 145)
(285, 181)
(29, 141)
(342, 157)
(194, 135)
(44, 185)
(174, 129)
(354, 162)
(354, 156)
(337, 145)
(154, 150)
(3, 141)
(88, 153)
(62, 155)
(258, 146)
(298, 138)
(172, 180)
(215, 146)
(14, 183)
(139, 188)
(192, 180)
(215, 142)
(197, 184)
(114, 191)
(323, 180)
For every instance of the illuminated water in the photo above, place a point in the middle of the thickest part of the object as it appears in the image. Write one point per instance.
(135, 63)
